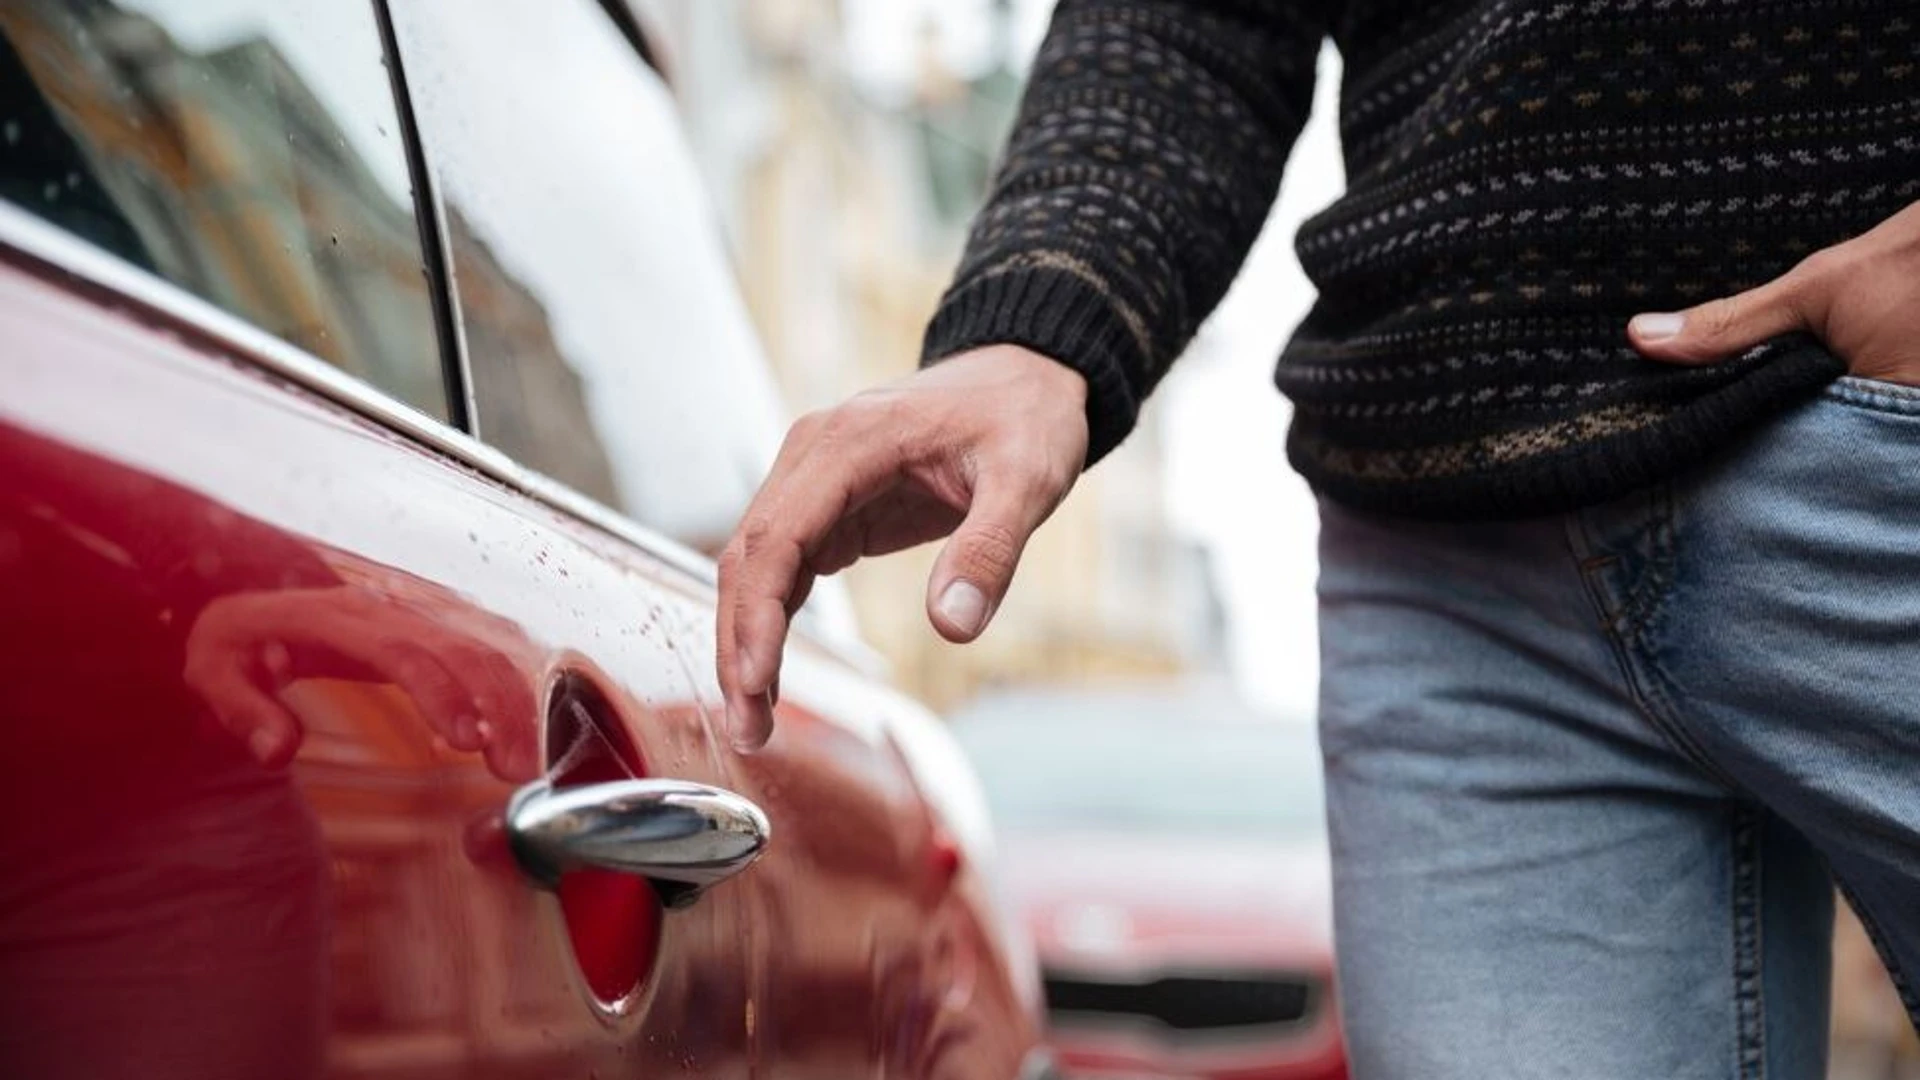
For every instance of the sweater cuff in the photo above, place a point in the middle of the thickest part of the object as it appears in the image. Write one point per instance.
(1059, 315)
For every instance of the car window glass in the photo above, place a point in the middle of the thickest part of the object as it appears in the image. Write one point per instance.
(608, 343)
(246, 150)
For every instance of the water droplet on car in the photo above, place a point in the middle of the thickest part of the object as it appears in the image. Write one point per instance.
(51, 192)
(11, 129)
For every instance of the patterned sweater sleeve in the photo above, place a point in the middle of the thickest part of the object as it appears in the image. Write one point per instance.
(1147, 152)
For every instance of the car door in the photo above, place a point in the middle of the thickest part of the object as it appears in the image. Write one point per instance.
(279, 643)
(609, 347)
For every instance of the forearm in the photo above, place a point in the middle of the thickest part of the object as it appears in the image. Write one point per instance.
(1146, 155)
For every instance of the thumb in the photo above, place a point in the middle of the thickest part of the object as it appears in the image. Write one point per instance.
(972, 574)
(1721, 329)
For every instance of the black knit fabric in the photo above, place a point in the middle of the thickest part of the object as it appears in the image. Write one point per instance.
(1523, 176)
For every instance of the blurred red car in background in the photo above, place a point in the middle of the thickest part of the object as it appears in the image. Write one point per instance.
(1168, 852)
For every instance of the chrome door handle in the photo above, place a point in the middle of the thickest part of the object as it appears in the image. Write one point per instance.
(684, 837)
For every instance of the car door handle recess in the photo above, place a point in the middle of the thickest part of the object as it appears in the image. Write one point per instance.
(684, 837)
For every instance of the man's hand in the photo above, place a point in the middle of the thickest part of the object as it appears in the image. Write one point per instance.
(1862, 298)
(983, 446)
(463, 669)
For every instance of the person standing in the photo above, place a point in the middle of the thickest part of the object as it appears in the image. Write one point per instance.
(1611, 396)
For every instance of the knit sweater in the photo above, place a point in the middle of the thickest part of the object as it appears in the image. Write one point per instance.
(1522, 177)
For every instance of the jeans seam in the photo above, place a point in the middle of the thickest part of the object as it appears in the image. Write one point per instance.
(1625, 629)
(1626, 632)
(1894, 398)
(1659, 710)
(1749, 985)
(1650, 596)
(1636, 608)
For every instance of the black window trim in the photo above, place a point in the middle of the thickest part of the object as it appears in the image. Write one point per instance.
(629, 26)
(429, 214)
(39, 246)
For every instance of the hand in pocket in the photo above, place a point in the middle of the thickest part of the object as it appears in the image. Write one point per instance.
(1861, 298)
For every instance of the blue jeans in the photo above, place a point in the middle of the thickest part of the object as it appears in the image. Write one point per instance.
(1591, 779)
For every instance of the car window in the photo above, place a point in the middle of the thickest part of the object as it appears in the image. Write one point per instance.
(608, 344)
(246, 150)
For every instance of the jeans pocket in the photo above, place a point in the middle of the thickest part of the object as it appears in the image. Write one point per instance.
(1875, 395)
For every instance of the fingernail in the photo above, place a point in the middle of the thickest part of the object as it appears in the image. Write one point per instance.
(464, 735)
(1658, 326)
(964, 606)
(743, 740)
(264, 744)
(736, 725)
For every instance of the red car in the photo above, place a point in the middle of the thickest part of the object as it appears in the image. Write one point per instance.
(1169, 854)
(370, 382)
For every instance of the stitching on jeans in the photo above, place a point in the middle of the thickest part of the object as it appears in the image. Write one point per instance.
(1749, 988)
(1646, 593)
(1654, 702)
(1646, 675)
(1878, 396)
(1625, 629)
(1901, 985)
(1650, 690)
(1658, 707)
(1650, 591)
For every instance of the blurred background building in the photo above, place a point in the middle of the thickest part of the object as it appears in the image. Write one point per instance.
(846, 144)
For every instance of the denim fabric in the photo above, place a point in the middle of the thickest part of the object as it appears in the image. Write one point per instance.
(1591, 778)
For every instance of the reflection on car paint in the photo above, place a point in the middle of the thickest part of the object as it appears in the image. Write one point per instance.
(341, 907)
(338, 899)
(272, 671)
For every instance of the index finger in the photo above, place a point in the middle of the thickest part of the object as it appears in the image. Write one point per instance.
(767, 559)
(748, 726)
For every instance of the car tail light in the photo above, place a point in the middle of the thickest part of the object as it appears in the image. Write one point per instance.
(613, 919)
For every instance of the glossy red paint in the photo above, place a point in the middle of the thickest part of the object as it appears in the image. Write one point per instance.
(270, 674)
(613, 920)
